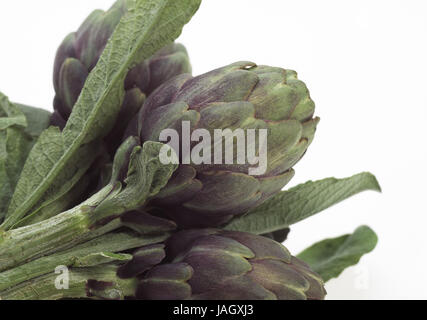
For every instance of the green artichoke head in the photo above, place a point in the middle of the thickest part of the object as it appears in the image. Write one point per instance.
(80, 51)
(212, 264)
(241, 96)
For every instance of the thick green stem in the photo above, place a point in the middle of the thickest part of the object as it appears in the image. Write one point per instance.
(79, 286)
(146, 176)
(58, 233)
(86, 254)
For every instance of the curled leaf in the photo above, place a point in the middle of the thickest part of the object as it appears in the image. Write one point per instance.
(330, 257)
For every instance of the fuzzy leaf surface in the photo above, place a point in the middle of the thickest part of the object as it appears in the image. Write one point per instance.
(302, 202)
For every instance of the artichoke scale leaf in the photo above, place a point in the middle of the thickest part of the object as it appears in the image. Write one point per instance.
(226, 84)
(301, 202)
(238, 288)
(281, 279)
(224, 191)
(182, 185)
(142, 260)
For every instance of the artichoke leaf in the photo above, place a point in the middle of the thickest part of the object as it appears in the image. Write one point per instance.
(331, 257)
(38, 120)
(302, 202)
(146, 176)
(15, 144)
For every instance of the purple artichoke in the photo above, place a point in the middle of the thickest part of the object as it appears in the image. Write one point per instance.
(215, 264)
(239, 96)
(79, 53)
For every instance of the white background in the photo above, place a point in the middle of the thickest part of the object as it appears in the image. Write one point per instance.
(365, 63)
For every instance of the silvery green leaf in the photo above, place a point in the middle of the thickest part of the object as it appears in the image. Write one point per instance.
(37, 119)
(302, 202)
(330, 257)
(49, 147)
(62, 200)
(15, 144)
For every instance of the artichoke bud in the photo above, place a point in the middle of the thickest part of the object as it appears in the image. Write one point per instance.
(72, 77)
(77, 56)
(215, 264)
(211, 187)
(79, 53)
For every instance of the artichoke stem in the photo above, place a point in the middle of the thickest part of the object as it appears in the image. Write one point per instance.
(94, 282)
(21, 245)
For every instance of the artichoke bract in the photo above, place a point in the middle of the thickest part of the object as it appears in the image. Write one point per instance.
(213, 264)
(80, 51)
(239, 96)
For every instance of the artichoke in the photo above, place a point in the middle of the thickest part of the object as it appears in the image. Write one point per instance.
(215, 264)
(79, 53)
(239, 96)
